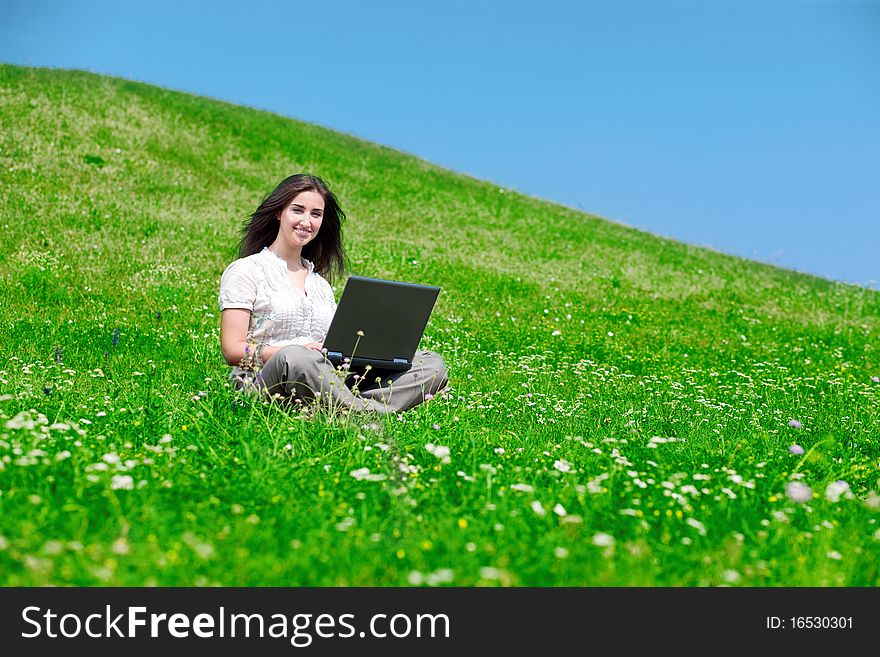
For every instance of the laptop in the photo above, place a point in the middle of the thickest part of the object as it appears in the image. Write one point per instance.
(392, 317)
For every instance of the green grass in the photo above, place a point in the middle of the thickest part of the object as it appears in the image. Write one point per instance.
(572, 343)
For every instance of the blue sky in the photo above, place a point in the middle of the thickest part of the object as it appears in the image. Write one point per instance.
(751, 127)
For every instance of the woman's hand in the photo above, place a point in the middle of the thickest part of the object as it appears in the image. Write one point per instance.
(317, 346)
(233, 340)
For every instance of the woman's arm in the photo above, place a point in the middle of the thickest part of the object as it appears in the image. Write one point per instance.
(234, 323)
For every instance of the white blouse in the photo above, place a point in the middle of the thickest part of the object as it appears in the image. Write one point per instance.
(281, 314)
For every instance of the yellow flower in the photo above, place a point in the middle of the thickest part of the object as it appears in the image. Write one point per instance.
(183, 427)
(462, 523)
(401, 554)
(773, 498)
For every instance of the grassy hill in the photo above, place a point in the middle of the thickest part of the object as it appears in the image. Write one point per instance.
(623, 407)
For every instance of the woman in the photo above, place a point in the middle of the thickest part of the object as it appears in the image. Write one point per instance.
(276, 307)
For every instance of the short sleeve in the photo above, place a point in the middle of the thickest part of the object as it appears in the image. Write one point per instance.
(238, 288)
(328, 293)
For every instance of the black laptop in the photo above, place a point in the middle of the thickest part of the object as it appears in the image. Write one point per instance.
(379, 323)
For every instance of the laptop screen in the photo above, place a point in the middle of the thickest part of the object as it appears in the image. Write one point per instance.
(391, 316)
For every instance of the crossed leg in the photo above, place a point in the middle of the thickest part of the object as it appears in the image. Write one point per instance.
(297, 372)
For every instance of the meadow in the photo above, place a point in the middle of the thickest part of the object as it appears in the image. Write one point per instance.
(623, 409)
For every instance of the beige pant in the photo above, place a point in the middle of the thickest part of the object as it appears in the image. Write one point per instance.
(298, 373)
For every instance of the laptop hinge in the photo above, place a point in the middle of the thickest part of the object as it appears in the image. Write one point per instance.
(402, 361)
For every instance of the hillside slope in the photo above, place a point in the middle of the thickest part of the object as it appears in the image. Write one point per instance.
(572, 342)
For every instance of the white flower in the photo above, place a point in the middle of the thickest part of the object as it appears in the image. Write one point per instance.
(203, 550)
(538, 508)
(345, 524)
(488, 572)
(836, 490)
(834, 554)
(595, 484)
(780, 516)
(441, 576)
(560, 553)
(124, 482)
(603, 540)
(439, 451)
(562, 465)
(525, 488)
(798, 492)
(696, 524)
(363, 474)
(560, 511)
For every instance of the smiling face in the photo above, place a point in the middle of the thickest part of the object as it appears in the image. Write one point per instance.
(300, 220)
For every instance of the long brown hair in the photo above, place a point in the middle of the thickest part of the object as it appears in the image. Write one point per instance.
(325, 251)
